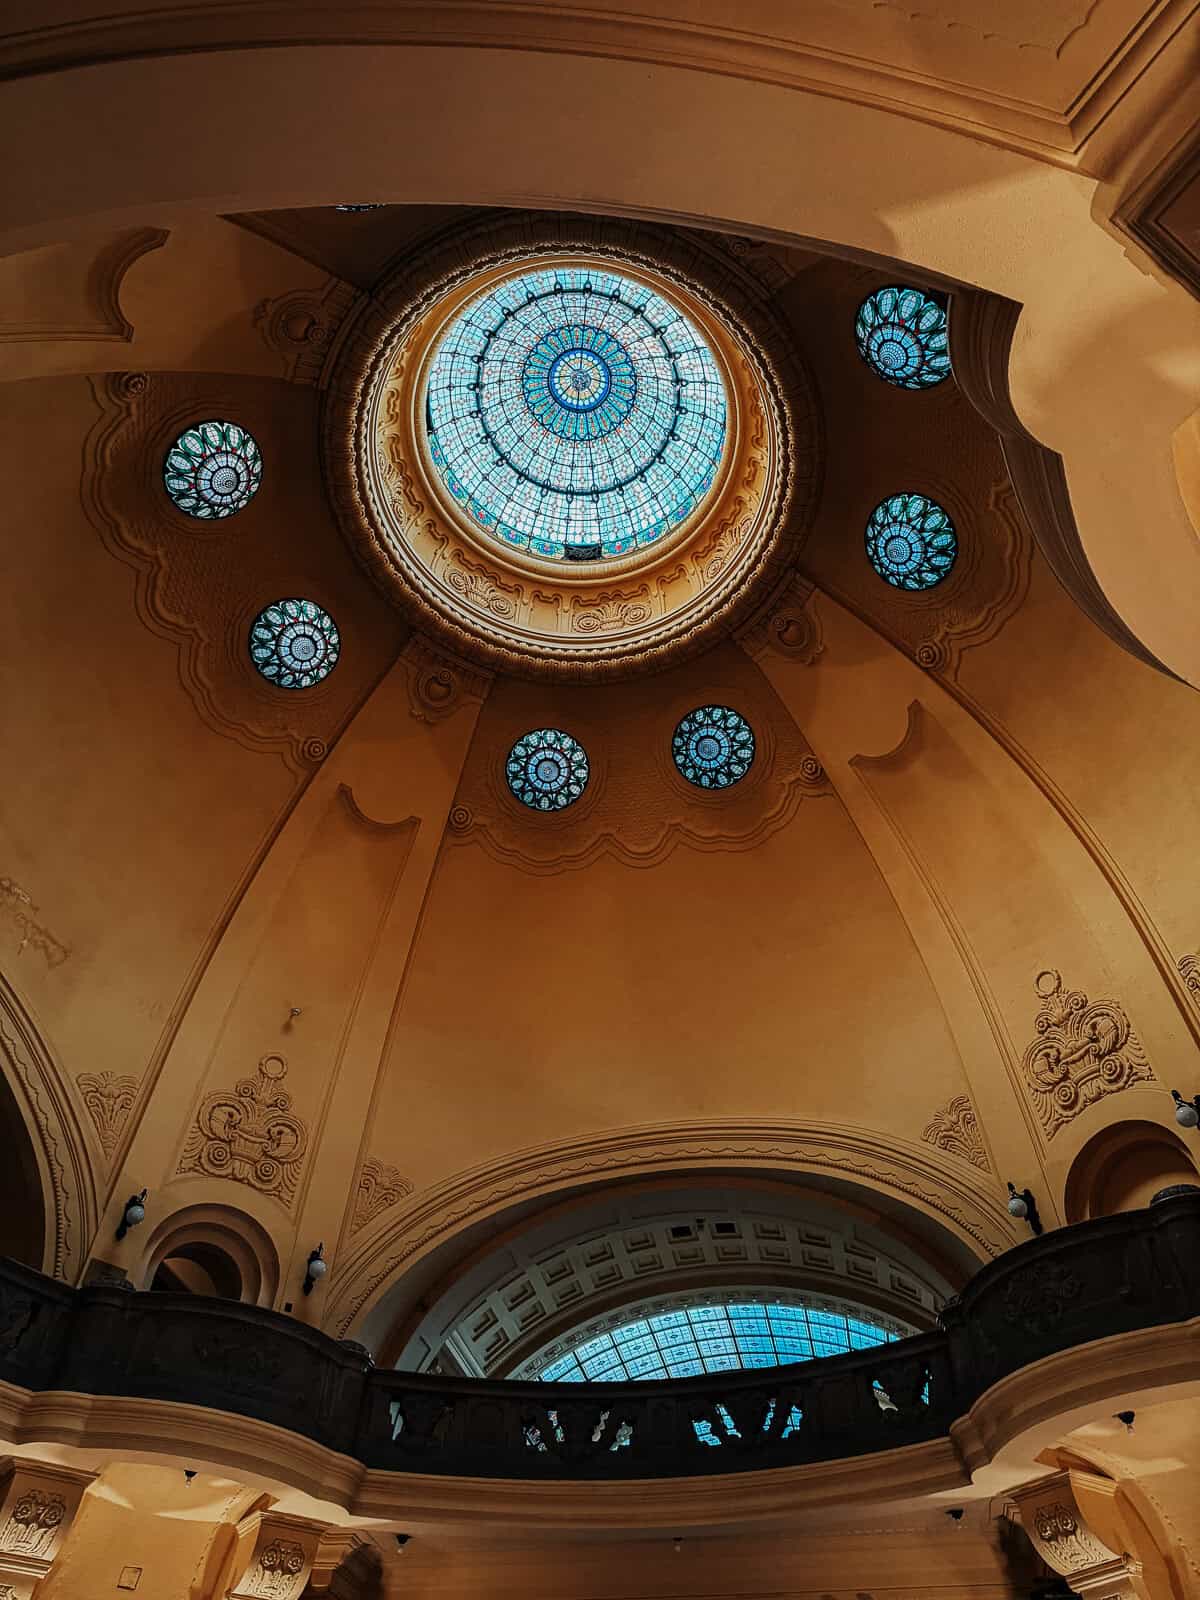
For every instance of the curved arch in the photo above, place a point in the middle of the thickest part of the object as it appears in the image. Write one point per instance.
(891, 1167)
(1123, 1166)
(241, 1241)
(39, 1088)
(1021, 227)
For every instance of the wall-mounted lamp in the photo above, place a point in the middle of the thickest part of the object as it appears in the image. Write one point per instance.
(1187, 1112)
(317, 1268)
(1126, 1417)
(1022, 1204)
(135, 1212)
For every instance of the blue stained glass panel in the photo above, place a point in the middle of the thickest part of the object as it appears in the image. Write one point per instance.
(294, 643)
(911, 541)
(547, 770)
(714, 1338)
(213, 470)
(902, 336)
(575, 413)
(713, 747)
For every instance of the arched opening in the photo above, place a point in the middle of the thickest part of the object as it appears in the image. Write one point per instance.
(22, 1207)
(212, 1250)
(1123, 1167)
(198, 1268)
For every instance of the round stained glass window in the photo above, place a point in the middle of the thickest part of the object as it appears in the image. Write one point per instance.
(547, 769)
(713, 747)
(294, 644)
(902, 337)
(911, 541)
(575, 414)
(213, 470)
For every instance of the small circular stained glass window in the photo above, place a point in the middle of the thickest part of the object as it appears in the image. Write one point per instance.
(294, 644)
(713, 747)
(213, 470)
(911, 541)
(547, 769)
(902, 337)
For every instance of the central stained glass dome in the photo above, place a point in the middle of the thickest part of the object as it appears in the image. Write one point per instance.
(575, 414)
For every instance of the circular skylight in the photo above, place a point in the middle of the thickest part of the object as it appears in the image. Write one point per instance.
(575, 414)
(213, 470)
(713, 747)
(547, 769)
(911, 541)
(902, 337)
(294, 643)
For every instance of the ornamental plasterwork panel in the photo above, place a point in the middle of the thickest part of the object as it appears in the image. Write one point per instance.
(636, 807)
(1189, 971)
(250, 1134)
(1082, 1050)
(108, 1098)
(200, 584)
(439, 683)
(791, 627)
(300, 327)
(282, 1560)
(379, 1188)
(955, 1129)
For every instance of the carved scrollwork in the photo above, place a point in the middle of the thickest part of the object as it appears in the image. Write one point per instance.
(609, 612)
(439, 683)
(955, 1129)
(1189, 971)
(1082, 1049)
(108, 1098)
(250, 1134)
(379, 1187)
(301, 327)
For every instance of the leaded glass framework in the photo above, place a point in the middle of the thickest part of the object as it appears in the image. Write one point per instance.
(902, 336)
(294, 643)
(213, 470)
(911, 541)
(547, 770)
(713, 747)
(723, 1337)
(575, 414)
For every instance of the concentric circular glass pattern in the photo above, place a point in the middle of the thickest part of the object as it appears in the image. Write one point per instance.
(713, 747)
(902, 337)
(213, 470)
(911, 541)
(575, 414)
(294, 644)
(547, 769)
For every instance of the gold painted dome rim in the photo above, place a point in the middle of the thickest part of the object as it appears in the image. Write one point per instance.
(522, 614)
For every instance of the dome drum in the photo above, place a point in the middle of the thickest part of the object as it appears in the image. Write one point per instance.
(567, 460)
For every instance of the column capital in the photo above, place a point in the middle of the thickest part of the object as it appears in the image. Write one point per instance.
(1073, 1525)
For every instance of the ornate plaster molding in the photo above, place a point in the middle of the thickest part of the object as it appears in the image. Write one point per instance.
(905, 1171)
(281, 1561)
(250, 1134)
(379, 1188)
(37, 1505)
(302, 327)
(955, 1129)
(44, 1097)
(1054, 1513)
(791, 628)
(1160, 213)
(1082, 1050)
(549, 619)
(1189, 971)
(108, 1098)
(439, 683)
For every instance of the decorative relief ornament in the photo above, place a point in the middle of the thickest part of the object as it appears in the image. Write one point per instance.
(109, 1098)
(1189, 971)
(279, 1571)
(379, 1187)
(1037, 1297)
(250, 1134)
(1083, 1049)
(955, 1129)
(16, 904)
(439, 683)
(33, 1523)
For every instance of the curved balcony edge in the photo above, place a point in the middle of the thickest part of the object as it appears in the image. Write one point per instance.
(1116, 1276)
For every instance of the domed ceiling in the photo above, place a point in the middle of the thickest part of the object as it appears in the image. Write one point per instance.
(523, 703)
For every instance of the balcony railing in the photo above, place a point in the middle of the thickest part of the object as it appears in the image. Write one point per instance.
(1135, 1270)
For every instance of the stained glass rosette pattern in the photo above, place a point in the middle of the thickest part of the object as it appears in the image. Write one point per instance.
(713, 747)
(294, 643)
(903, 338)
(213, 470)
(575, 414)
(911, 541)
(547, 770)
(727, 1337)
